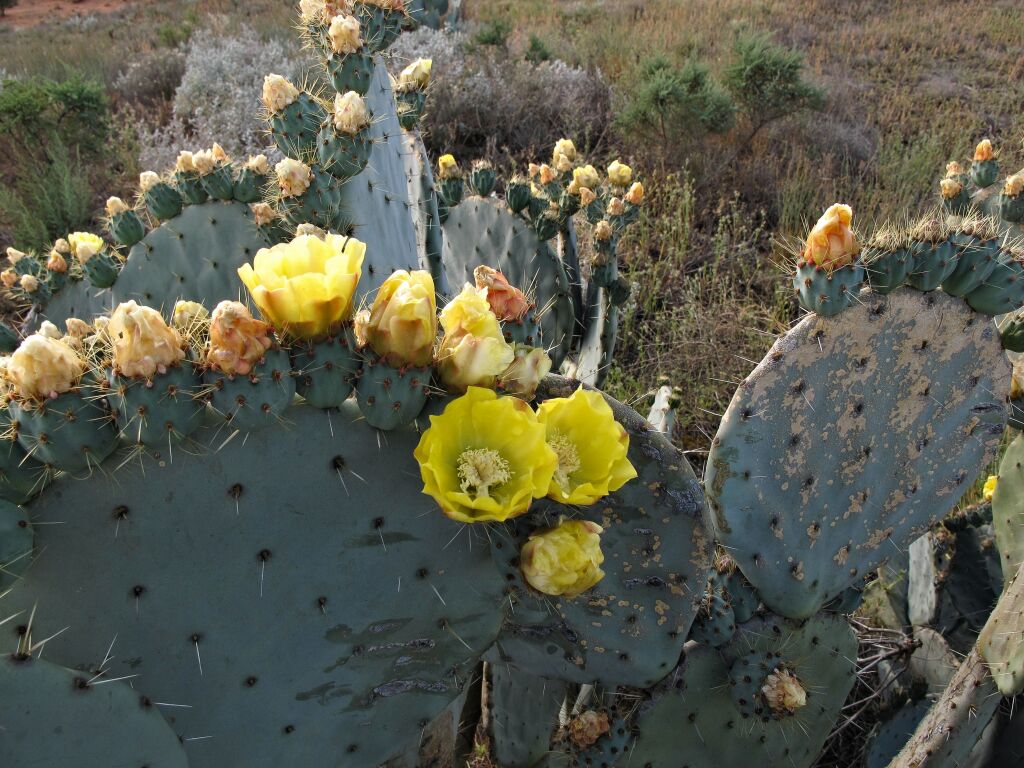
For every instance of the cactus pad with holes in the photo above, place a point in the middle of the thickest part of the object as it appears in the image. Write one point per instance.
(853, 435)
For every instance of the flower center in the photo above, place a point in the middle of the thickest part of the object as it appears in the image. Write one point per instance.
(481, 468)
(568, 458)
(784, 692)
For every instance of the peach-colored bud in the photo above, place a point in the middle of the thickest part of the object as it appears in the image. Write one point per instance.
(950, 188)
(9, 278)
(29, 283)
(56, 262)
(983, 151)
(832, 244)
(587, 196)
(953, 169)
(616, 207)
(507, 302)
(635, 196)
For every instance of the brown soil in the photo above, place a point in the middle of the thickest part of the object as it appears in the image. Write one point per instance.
(29, 13)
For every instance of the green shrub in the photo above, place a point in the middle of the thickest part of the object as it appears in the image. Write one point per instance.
(494, 33)
(76, 109)
(537, 51)
(766, 82)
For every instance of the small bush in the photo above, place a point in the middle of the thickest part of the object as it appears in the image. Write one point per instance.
(537, 51)
(494, 33)
(152, 79)
(76, 109)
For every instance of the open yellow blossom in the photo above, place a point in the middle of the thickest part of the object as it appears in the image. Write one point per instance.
(586, 176)
(42, 367)
(473, 351)
(402, 324)
(237, 340)
(564, 148)
(832, 244)
(635, 195)
(591, 445)
(416, 76)
(983, 151)
(620, 174)
(85, 245)
(484, 458)
(293, 177)
(350, 113)
(144, 344)
(990, 487)
(950, 188)
(564, 560)
(447, 168)
(345, 34)
(304, 288)
(278, 93)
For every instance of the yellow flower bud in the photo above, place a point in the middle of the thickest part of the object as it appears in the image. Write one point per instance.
(635, 196)
(529, 367)
(185, 162)
(587, 196)
(258, 164)
(62, 246)
(401, 327)
(148, 180)
(115, 205)
(574, 187)
(29, 283)
(603, 231)
(447, 168)
(204, 162)
(950, 188)
(564, 148)
(990, 487)
(532, 170)
(237, 340)
(85, 245)
(473, 351)
(345, 35)
(832, 244)
(14, 255)
(563, 164)
(983, 151)
(293, 177)
(278, 93)
(42, 367)
(77, 329)
(350, 113)
(619, 174)
(220, 157)
(484, 458)
(953, 169)
(305, 287)
(56, 262)
(416, 76)
(586, 176)
(564, 560)
(143, 343)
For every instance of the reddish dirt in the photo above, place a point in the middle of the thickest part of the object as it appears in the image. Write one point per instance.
(28, 13)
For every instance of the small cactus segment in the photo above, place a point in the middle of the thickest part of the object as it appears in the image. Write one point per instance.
(524, 715)
(1003, 290)
(595, 738)
(934, 254)
(326, 371)
(390, 397)
(1011, 201)
(310, 195)
(16, 538)
(125, 224)
(162, 200)
(56, 716)
(978, 256)
(774, 692)
(649, 592)
(804, 493)
(985, 167)
(716, 621)
(829, 271)
(21, 476)
(479, 232)
(314, 561)
(294, 117)
(1008, 509)
(1001, 643)
(73, 432)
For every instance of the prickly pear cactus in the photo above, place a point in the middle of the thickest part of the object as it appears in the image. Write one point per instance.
(1008, 508)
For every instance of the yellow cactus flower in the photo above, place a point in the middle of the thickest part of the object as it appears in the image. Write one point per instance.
(832, 244)
(447, 168)
(1013, 185)
(603, 231)
(278, 93)
(187, 314)
(564, 148)
(635, 195)
(350, 113)
(237, 340)
(950, 188)
(529, 366)
(29, 283)
(293, 177)
(586, 176)
(143, 343)
(345, 34)
(185, 162)
(990, 487)
(563, 164)
(983, 151)
(953, 168)
(42, 368)
(564, 560)
(484, 458)
(592, 447)
(402, 324)
(56, 262)
(85, 245)
(473, 351)
(620, 174)
(305, 287)
(115, 205)
(416, 76)
(204, 161)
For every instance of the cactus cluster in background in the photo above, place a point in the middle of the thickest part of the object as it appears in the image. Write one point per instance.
(287, 480)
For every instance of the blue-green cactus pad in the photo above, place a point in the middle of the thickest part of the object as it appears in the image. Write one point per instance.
(851, 437)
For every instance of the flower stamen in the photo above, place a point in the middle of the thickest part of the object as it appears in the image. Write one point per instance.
(568, 458)
(481, 468)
